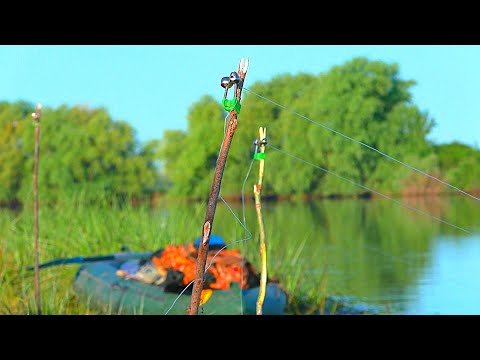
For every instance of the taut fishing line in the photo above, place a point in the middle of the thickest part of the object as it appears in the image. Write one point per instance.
(211, 262)
(191, 282)
(225, 124)
(363, 144)
(368, 189)
(244, 226)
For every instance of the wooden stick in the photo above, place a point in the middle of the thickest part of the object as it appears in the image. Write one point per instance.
(258, 206)
(213, 197)
(36, 120)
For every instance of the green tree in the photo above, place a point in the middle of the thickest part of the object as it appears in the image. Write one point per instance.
(81, 151)
(365, 100)
(12, 122)
(85, 151)
(189, 158)
(460, 164)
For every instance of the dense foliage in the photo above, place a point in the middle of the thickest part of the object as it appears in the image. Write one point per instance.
(365, 100)
(81, 151)
(85, 151)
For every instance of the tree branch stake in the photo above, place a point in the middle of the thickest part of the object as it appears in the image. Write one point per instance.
(36, 121)
(258, 206)
(214, 192)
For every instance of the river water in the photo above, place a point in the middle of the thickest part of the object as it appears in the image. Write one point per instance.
(376, 252)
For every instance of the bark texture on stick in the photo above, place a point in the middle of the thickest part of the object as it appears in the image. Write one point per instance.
(258, 206)
(213, 198)
(36, 121)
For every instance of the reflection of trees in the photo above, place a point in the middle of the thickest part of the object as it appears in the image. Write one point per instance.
(368, 248)
(463, 212)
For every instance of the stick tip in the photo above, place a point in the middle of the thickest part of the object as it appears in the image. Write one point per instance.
(36, 114)
(245, 65)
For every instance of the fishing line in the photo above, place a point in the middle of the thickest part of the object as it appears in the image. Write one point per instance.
(214, 256)
(363, 144)
(238, 219)
(244, 225)
(191, 282)
(368, 189)
(225, 124)
(243, 240)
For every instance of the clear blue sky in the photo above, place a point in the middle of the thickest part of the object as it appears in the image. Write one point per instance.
(152, 87)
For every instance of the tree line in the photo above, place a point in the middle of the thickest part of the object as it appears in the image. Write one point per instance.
(85, 151)
(82, 151)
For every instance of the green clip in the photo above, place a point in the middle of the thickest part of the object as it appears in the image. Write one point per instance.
(259, 156)
(230, 105)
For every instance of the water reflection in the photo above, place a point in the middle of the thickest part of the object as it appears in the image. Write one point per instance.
(374, 251)
(450, 284)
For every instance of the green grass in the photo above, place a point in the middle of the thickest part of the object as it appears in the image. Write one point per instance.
(72, 228)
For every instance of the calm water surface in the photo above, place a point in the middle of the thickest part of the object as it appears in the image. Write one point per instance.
(375, 251)
(370, 252)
